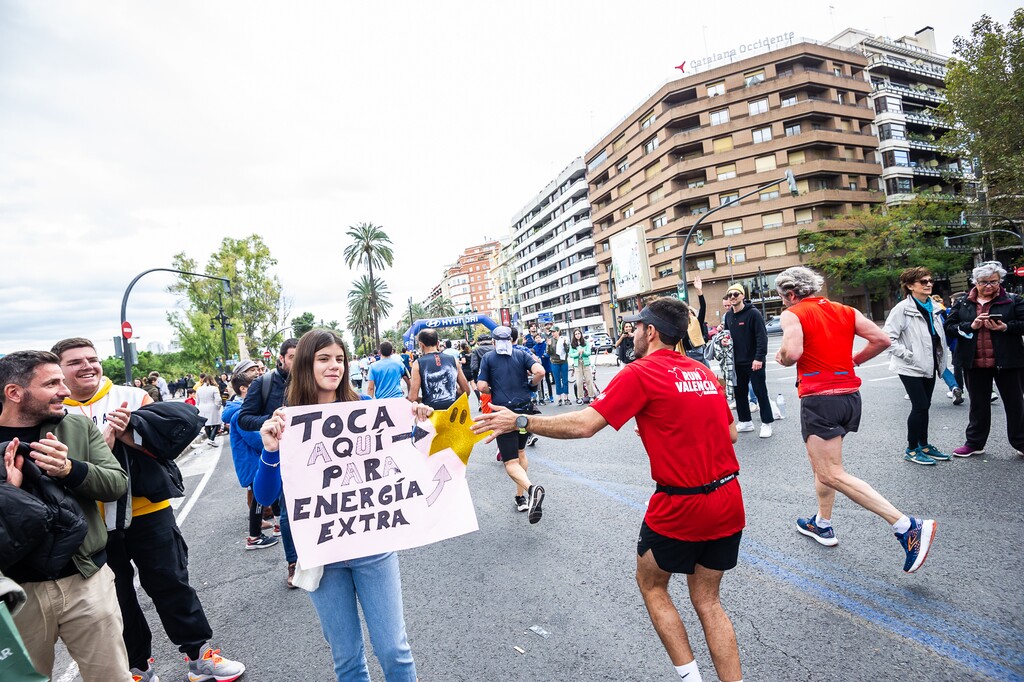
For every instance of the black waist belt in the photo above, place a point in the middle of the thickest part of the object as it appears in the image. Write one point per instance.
(699, 490)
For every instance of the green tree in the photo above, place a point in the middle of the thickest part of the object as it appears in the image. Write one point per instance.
(371, 247)
(441, 307)
(985, 106)
(302, 324)
(868, 250)
(367, 302)
(255, 305)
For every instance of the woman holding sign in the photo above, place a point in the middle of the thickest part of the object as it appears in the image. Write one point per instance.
(320, 375)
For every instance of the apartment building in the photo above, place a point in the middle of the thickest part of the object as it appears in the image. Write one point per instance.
(504, 276)
(908, 78)
(704, 140)
(476, 291)
(553, 254)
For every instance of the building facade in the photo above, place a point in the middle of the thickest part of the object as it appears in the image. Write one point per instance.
(553, 254)
(475, 289)
(701, 142)
(908, 81)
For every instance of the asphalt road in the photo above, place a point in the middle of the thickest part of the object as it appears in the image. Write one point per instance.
(801, 611)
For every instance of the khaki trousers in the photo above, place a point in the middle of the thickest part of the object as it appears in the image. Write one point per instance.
(85, 615)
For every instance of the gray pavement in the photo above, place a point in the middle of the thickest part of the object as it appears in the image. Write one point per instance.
(801, 611)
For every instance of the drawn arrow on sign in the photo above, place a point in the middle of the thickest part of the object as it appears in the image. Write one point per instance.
(442, 476)
(417, 434)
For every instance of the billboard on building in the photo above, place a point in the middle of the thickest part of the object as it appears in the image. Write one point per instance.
(630, 269)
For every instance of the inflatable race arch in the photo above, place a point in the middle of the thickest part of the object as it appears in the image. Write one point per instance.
(409, 337)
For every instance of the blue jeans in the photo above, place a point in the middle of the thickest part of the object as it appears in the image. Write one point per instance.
(561, 376)
(947, 376)
(286, 533)
(377, 583)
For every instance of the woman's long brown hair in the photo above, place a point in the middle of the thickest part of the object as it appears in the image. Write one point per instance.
(302, 389)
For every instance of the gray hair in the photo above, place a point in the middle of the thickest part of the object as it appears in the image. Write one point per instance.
(987, 269)
(803, 282)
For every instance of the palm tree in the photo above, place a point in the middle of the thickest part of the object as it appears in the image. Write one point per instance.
(441, 307)
(370, 247)
(367, 303)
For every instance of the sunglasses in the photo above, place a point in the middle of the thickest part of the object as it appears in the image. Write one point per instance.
(733, 295)
(926, 280)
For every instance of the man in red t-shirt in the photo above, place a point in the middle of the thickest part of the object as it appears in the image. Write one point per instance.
(695, 518)
(817, 337)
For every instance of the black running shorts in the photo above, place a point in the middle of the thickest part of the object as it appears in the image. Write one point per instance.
(829, 416)
(680, 556)
(509, 445)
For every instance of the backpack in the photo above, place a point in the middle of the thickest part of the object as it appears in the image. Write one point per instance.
(267, 384)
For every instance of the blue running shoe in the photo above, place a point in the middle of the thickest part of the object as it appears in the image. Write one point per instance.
(809, 527)
(917, 457)
(916, 542)
(935, 453)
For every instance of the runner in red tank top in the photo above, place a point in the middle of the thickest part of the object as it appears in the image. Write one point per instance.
(817, 337)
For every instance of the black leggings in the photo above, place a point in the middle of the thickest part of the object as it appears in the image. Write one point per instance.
(920, 391)
(256, 515)
(211, 431)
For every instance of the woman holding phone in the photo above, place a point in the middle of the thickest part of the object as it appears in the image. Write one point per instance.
(989, 324)
(320, 375)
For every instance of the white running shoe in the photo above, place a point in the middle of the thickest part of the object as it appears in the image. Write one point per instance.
(743, 427)
(766, 431)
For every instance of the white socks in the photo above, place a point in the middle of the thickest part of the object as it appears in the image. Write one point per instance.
(901, 526)
(689, 672)
(822, 523)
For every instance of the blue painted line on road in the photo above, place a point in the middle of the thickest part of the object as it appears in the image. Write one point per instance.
(949, 650)
(967, 658)
(907, 612)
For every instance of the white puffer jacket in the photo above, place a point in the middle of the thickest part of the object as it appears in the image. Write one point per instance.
(911, 349)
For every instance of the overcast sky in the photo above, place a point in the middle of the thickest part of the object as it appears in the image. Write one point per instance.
(130, 131)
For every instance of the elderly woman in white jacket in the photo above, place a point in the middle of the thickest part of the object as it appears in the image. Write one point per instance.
(918, 355)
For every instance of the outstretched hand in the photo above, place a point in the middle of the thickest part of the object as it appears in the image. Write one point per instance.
(500, 420)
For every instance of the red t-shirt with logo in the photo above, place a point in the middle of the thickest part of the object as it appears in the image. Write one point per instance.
(683, 418)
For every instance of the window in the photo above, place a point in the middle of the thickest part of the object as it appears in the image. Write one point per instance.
(628, 211)
(837, 71)
(892, 131)
(759, 106)
(770, 220)
(650, 145)
(648, 120)
(803, 186)
(625, 187)
(738, 255)
(763, 164)
(662, 245)
(728, 197)
(618, 142)
(693, 183)
(770, 194)
(797, 157)
(762, 135)
(751, 78)
(715, 89)
(719, 116)
(722, 144)
(896, 157)
(841, 97)
(706, 263)
(731, 227)
(652, 170)
(623, 166)
(890, 104)
(804, 216)
(725, 172)
(656, 195)
(792, 129)
(807, 248)
(789, 100)
(665, 272)
(660, 221)
(597, 161)
(899, 186)
(774, 249)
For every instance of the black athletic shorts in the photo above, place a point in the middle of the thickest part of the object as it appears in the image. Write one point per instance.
(509, 445)
(829, 416)
(680, 556)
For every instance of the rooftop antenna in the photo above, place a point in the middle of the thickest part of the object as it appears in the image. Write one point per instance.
(832, 17)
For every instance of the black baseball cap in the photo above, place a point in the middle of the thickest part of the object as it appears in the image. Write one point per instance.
(648, 316)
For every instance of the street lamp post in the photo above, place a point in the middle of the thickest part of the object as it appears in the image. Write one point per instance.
(124, 310)
(224, 326)
(788, 177)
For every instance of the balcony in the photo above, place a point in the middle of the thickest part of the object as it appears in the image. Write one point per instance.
(930, 72)
(926, 95)
(921, 118)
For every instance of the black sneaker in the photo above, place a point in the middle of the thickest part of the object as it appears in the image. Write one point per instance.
(535, 495)
(532, 440)
(261, 542)
(520, 503)
(958, 396)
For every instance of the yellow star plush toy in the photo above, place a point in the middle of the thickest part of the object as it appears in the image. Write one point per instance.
(452, 426)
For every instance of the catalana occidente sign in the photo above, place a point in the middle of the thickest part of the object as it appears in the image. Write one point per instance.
(743, 50)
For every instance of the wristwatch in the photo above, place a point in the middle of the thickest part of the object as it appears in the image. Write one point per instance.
(521, 422)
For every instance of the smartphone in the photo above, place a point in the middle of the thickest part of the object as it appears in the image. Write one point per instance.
(995, 316)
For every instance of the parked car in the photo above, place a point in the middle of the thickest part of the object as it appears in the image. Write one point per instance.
(774, 325)
(600, 343)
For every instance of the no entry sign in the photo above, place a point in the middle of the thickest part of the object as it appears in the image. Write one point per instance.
(126, 329)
